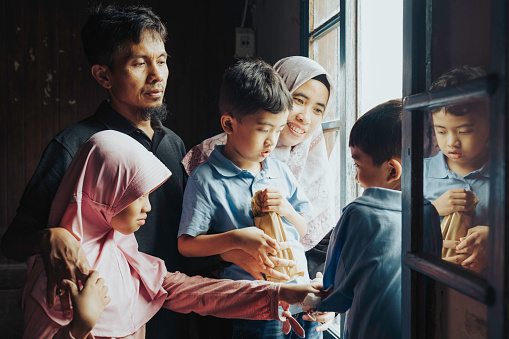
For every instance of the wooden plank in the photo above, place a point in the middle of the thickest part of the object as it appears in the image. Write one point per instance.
(454, 276)
(15, 97)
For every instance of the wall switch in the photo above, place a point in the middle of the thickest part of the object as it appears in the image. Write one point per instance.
(244, 42)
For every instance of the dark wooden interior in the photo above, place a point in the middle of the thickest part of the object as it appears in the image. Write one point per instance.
(46, 85)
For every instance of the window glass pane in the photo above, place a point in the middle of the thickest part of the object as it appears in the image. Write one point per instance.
(456, 176)
(321, 11)
(461, 35)
(325, 51)
(380, 52)
(459, 52)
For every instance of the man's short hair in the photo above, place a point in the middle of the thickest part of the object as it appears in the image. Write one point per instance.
(457, 76)
(110, 28)
(378, 132)
(252, 85)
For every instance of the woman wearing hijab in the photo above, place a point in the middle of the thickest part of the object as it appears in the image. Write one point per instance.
(301, 143)
(102, 201)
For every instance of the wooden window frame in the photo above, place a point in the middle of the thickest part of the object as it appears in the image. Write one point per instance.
(493, 290)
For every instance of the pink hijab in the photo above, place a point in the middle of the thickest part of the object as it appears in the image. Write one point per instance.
(109, 172)
(308, 160)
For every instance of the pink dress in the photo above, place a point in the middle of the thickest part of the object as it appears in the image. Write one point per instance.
(109, 172)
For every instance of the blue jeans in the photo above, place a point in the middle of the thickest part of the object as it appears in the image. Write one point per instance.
(272, 329)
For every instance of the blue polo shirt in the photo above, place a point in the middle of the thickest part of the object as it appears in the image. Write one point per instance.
(438, 179)
(363, 265)
(218, 197)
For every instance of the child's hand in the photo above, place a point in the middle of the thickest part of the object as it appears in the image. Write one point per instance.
(455, 200)
(325, 318)
(475, 244)
(274, 201)
(259, 245)
(88, 304)
(295, 294)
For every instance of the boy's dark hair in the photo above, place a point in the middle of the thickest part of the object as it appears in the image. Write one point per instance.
(457, 76)
(378, 132)
(252, 85)
(110, 28)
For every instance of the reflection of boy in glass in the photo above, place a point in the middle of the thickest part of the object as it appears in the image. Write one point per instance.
(461, 167)
(363, 266)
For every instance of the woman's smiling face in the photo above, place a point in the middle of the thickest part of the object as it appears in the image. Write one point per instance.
(309, 103)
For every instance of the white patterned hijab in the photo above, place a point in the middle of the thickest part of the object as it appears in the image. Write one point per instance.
(308, 160)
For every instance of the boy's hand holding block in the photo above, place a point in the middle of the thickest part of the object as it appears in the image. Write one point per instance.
(271, 224)
(456, 225)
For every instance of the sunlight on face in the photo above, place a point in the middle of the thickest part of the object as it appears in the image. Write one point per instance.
(309, 103)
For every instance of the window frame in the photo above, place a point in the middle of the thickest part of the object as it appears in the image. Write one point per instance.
(491, 291)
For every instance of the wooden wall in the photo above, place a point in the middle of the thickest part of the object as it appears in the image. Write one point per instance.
(46, 85)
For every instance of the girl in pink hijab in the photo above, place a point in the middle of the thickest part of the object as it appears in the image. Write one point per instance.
(102, 200)
(301, 143)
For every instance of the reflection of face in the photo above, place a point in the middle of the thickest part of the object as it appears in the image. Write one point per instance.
(462, 139)
(254, 137)
(139, 77)
(309, 102)
(131, 218)
(368, 175)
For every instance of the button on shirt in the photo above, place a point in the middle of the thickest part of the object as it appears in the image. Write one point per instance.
(438, 179)
(218, 197)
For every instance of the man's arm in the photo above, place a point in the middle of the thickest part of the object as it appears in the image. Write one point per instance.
(24, 235)
(28, 233)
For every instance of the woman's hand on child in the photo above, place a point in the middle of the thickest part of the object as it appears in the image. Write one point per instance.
(259, 245)
(476, 245)
(455, 200)
(63, 258)
(88, 304)
(251, 266)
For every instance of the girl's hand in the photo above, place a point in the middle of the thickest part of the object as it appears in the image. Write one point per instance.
(295, 294)
(273, 201)
(455, 200)
(256, 243)
(88, 304)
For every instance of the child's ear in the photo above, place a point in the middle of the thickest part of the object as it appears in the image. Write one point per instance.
(227, 123)
(101, 74)
(395, 170)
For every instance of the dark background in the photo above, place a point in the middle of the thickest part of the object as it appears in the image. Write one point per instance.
(46, 85)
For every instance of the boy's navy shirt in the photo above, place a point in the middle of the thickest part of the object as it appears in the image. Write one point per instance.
(363, 266)
(438, 179)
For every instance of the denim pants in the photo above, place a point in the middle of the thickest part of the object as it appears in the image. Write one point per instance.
(272, 329)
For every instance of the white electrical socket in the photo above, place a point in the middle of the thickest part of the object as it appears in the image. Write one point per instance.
(244, 42)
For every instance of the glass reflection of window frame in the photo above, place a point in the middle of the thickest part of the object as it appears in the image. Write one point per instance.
(416, 317)
(415, 107)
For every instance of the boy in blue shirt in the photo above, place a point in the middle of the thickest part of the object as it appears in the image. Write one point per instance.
(363, 266)
(217, 215)
(461, 167)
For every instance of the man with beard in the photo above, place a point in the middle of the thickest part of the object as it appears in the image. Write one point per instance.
(125, 47)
